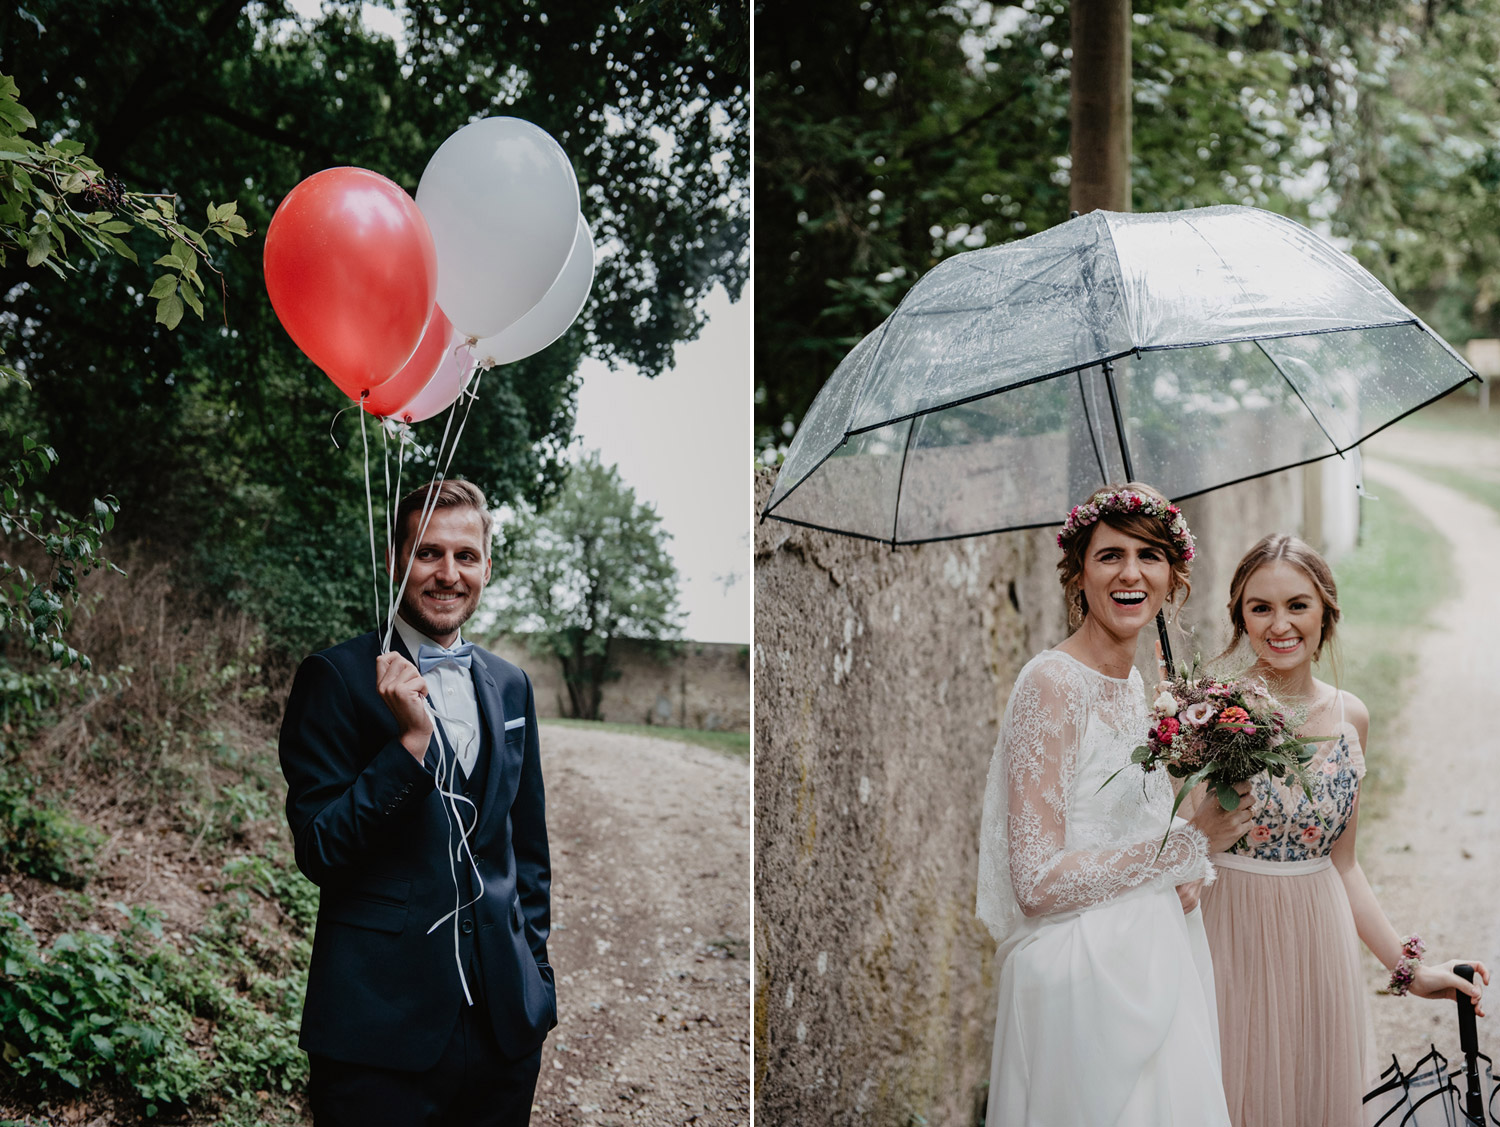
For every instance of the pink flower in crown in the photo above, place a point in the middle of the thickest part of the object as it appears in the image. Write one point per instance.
(1312, 834)
(1260, 834)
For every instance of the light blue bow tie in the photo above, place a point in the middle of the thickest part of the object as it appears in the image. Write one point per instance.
(430, 656)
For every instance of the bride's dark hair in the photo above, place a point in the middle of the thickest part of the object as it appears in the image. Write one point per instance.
(1298, 553)
(1152, 529)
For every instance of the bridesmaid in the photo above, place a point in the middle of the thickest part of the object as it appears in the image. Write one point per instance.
(1284, 914)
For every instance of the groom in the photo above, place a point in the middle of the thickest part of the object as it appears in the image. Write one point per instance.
(415, 804)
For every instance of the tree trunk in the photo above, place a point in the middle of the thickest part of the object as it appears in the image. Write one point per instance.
(573, 681)
(1100, 93)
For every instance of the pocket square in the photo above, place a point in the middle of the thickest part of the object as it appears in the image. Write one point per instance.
(518, 722)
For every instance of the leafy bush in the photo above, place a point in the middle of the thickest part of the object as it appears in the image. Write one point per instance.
(91, 1008)
(40, 839)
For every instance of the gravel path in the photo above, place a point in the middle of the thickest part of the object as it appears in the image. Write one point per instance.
(651, 922)
(1435, 860)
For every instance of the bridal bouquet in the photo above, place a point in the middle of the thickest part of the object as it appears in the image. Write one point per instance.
(1222, 732)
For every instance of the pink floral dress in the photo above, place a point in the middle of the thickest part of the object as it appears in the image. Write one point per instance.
(1294, 1030)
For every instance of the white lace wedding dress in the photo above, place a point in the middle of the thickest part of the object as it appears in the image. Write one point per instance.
(1106, 1012)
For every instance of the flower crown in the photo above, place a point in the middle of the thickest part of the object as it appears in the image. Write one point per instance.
(1129, 501)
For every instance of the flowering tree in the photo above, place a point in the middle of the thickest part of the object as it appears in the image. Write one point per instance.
(590, 569)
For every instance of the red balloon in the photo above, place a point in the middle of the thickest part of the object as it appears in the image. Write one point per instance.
(406, 384)
(352, 274)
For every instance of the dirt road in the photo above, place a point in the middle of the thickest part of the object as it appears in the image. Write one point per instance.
(651, 922)
(1435, 860)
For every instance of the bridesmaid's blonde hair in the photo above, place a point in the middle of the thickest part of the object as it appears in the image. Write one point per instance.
(1280, 546)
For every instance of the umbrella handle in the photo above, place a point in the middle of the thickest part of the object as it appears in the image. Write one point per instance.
(1468, 1041)
(1166, 646)
(1468, 1033)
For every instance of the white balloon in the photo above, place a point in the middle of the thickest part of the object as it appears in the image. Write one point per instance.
(502, 202)
(549, 318)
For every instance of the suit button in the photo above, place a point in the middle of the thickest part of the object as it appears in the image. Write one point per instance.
(467, 927)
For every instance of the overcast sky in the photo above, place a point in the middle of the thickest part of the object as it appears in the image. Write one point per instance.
(683, 443)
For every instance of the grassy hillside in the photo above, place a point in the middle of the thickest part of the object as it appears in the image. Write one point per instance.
(154, 933)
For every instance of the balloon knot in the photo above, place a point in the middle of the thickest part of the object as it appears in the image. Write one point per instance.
(486, 364)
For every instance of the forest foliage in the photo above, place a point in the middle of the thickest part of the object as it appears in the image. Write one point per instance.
(892, 134)
(218, 440)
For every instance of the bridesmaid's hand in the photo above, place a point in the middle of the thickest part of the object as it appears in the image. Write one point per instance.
(1224, 827)
(1441, 982)
(1190, 894)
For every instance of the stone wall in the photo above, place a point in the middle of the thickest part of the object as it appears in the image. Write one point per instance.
(880, 679)
(706, 685)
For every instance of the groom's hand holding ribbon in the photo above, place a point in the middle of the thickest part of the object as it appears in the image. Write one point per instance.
(405, 694)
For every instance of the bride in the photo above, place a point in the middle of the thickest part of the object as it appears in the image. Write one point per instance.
(1106, 1012)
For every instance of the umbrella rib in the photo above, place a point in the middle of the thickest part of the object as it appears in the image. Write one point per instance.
(1089, 423)
(911, 430)
(978, 395)
(803, 479)
(1295, 391)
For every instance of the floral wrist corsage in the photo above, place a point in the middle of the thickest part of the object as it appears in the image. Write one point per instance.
(1405, 970)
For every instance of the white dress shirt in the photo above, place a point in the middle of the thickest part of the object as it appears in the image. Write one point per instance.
(450, 689)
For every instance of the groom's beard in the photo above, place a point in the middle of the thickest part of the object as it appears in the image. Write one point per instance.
(437, 621)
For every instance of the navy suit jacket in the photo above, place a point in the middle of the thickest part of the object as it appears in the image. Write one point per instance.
(370, 830)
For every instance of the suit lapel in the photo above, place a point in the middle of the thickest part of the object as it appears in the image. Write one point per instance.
(492, 716)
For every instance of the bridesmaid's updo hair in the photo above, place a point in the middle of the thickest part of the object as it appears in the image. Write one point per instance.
(1154, 530)
(1280, 546)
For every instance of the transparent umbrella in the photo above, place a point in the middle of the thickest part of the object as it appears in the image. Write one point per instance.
(1430, 1094)
(1190, 350)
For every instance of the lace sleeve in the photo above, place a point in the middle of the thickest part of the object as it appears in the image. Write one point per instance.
(1025, 865)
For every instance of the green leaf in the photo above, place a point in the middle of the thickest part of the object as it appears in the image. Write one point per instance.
(171, 261)
(114, 226)
(1229, 798)
(120, 248)
(166, 284)
(17, 116)
(38, 249)
(169, 311)
(194, 301)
